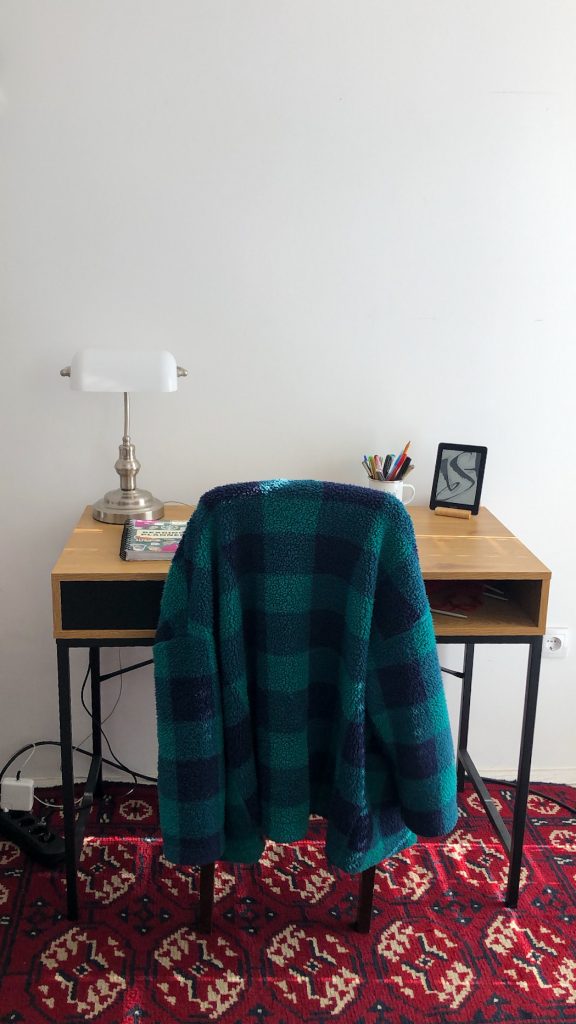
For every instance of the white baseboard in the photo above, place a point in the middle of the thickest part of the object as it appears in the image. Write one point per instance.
(562, 776)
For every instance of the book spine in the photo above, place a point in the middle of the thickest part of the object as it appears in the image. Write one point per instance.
(124, 540)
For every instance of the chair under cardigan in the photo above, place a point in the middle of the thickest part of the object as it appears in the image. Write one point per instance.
(296, 673)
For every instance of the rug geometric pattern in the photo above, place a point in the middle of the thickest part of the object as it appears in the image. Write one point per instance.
(443, 947)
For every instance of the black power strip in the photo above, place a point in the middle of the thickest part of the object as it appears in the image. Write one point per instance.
(32, 836)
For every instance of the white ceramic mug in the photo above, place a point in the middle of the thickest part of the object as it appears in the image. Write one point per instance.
(395, 487)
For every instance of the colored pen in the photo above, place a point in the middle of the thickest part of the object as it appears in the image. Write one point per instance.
(395, 465)
(399, 461)
(390, 467)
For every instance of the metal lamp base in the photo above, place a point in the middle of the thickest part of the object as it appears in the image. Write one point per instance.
(118, 506)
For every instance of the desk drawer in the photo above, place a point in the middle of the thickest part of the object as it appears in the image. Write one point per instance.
(108, 605)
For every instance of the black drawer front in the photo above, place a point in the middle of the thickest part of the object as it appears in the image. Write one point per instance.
(105, 604)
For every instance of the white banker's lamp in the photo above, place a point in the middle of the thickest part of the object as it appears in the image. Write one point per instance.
(95, 369)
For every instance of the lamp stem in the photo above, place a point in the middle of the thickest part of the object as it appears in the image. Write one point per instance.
(126, 438)
(128, 501)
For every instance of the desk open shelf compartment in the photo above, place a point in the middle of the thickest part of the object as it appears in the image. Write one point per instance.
(519, 614)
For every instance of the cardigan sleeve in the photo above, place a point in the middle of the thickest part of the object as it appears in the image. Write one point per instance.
(406, 704)
(188, 705)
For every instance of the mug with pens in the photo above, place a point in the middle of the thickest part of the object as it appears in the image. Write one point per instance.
(388, 473)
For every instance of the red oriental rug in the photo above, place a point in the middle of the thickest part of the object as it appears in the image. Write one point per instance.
(443, 947)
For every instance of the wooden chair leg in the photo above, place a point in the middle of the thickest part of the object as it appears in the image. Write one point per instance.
(206, 898)
(364, 919)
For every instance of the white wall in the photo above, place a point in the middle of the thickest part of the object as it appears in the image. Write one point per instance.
(355, 223)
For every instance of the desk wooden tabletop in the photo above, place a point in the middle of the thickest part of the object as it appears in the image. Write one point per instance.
(479, 548)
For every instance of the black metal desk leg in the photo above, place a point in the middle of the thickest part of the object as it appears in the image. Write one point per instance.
(63, 653)
(465, 709)
(525, 759)
(96, 712)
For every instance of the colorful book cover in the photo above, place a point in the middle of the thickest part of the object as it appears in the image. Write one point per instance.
(146, 540)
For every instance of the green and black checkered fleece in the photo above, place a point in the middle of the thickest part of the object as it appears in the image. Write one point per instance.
(297, 673)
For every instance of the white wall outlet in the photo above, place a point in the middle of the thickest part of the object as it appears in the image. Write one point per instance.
(555, 642)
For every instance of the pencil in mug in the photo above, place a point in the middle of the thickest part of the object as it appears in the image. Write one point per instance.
(399, 462)
(396, 468)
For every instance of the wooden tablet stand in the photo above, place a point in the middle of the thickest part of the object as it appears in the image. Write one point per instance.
(455, 513)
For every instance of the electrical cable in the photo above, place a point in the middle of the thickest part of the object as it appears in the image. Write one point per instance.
(147, 778)
(81, 750)
(119, 763)
(116, 703)
(116, 763)
(135, 775)
(21, 769)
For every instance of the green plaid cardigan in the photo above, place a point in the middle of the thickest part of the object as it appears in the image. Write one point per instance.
(296, 673)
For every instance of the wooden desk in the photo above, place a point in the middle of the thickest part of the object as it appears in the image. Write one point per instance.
(100, 600)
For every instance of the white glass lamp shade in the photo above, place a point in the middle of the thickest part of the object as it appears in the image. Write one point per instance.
(99, 369)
